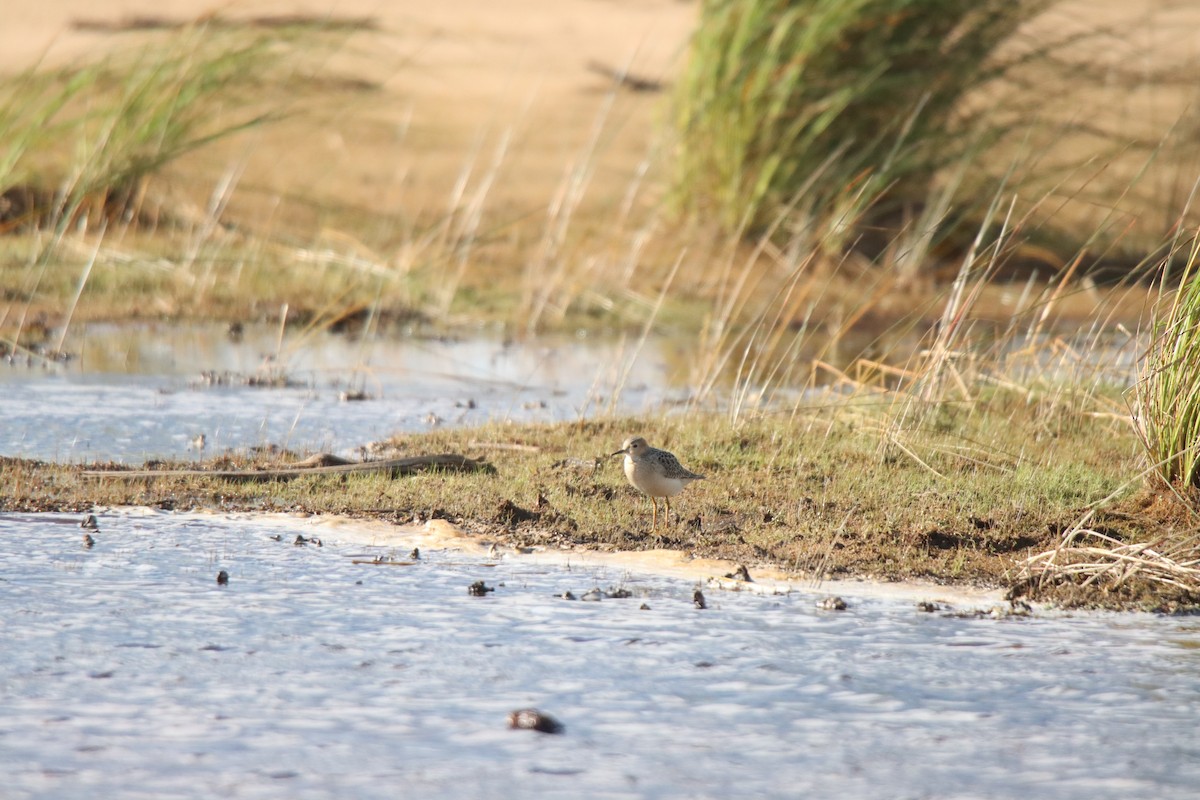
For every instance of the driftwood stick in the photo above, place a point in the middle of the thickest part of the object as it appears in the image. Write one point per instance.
(394, 467)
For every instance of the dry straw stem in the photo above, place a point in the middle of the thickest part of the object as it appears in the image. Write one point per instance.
(1111, 563)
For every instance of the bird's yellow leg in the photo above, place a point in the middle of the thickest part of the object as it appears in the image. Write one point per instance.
(654, 524)
(667, 500)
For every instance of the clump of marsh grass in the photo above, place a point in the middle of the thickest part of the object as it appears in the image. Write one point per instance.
(832, 104)
(1167, 395)
(81, 142)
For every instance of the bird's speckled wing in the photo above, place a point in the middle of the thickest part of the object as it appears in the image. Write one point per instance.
(671, 466)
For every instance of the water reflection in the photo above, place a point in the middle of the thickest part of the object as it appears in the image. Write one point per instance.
(135, 393)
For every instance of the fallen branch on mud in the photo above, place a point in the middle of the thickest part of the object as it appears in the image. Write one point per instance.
(395, 468)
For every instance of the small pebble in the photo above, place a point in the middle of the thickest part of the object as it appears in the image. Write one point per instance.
(698, 599)
(479, 589)
(530, 719)
(644, 607)
(567, 595)
(222, 578)
(415, 555)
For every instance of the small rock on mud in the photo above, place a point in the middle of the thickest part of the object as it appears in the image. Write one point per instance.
(530, 719)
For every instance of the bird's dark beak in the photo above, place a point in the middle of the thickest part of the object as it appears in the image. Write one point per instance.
(618, 453)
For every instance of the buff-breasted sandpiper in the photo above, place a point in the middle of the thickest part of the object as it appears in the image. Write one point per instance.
(656, 473)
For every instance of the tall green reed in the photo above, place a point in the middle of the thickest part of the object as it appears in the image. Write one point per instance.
(836, 108)
(1167, 395)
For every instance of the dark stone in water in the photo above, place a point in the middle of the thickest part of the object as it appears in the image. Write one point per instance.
(832, 604)
(222, 578)
(530, 719)
(698, 599)
(88, 541)
(89, 523)
(479, 589)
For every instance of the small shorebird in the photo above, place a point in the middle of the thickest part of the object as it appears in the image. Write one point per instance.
(656, 473)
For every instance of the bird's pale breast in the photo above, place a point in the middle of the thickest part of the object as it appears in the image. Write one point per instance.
(647, 477)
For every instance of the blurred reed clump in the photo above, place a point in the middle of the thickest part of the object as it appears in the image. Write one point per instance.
(834, 110)
(80, 142)
(1167, 395)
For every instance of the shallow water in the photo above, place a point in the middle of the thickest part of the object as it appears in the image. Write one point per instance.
(128, 672)
(133, 393)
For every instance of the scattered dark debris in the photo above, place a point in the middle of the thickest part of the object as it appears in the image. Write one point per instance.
(940, 540)
(595, 594)
(479, 589)
(303, 540)
(740, 574)
(698, 599)
(530, 719)
(509, 513)
(222, 578)
(832, 604)
(275, 537)
(928, 607)
(1016, 608)
(643, 607)
(355, 396)
(266, 378)
(415, 555)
